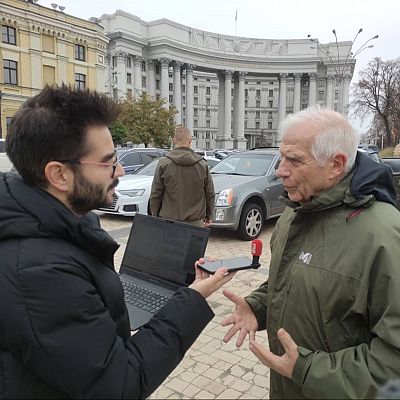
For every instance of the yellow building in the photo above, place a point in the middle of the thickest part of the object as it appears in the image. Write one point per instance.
(40, 46)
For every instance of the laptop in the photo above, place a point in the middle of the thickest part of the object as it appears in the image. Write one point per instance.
(159, 259)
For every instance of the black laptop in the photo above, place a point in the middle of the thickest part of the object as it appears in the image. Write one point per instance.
(159, 258)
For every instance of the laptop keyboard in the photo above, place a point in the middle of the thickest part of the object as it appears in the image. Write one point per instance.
(143, 298)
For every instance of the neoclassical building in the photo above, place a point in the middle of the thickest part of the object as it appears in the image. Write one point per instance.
(41, 45)
(232, 92)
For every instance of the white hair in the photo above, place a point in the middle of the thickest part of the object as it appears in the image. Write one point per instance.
(333, 134)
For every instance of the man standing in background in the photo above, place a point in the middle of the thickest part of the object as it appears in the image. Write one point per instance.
(182, 188)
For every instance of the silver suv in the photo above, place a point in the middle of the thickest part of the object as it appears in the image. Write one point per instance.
(247, 191)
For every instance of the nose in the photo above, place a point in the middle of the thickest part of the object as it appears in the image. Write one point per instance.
(282, 171)
(119, 171)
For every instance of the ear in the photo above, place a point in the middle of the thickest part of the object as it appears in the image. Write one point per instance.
(59, 176)
(338, 165)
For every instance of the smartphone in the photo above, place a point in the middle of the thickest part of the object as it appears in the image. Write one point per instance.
(233, 264)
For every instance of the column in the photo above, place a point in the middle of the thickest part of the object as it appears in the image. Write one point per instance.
(282, 97)
(178, 92)
(312, 90)
(297, 92)
(151, 78)
(165, 80)
(121, 74)
(240, 140)
(137, 88)
(228, 105)
(221, 107)
(345, 96)
(189, 97)
(329, 92)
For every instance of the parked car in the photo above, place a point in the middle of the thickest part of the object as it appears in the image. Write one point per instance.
(211, 161)
(247, 191)
(132, 194)
(132, 159)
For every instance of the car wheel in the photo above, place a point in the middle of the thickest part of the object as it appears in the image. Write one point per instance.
(251, 222)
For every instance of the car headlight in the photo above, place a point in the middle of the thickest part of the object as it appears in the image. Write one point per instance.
(132, 192)
(224, 198)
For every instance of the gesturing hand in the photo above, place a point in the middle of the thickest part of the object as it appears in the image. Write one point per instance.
(283, 365)
(242, 319)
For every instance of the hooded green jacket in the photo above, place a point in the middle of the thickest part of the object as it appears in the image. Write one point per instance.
(182, 188)
(334, 285)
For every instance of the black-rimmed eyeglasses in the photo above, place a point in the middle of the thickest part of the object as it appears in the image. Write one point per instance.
(104, 164)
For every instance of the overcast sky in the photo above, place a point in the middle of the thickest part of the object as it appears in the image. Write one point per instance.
(268, 19)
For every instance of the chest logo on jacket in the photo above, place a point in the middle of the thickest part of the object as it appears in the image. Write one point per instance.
(305, 257)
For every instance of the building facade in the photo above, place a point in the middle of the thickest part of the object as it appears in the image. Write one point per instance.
(42, 46)
(231, 92)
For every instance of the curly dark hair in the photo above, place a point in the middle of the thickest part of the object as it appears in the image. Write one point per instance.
(52, 126)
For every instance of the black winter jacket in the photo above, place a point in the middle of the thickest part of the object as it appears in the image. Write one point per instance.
(64, 327)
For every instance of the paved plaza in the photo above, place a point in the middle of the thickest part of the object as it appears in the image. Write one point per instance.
(212, 369)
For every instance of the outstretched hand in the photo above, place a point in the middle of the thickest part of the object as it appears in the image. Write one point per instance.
(284, 364)
(242, 319)
(207, 284)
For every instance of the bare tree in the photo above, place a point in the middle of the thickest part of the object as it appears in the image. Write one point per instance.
(377, 94)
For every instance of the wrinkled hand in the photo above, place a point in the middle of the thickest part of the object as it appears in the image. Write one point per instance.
(242, 319)
(207, 284)
(283, 365)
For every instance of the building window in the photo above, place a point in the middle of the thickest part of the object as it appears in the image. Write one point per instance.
(196, 101)
(128, 79)
(245, 124)
(158, 84)
(184, 111)
(269, 114)
(257, 124)
(258, 92)
(144, 83)
(305, 94)
(129, 62)
(246, 103)
(303, 106)
(232, 92)
(144, 66)
(271, 83)
(208, 113)
(183, 99)
(10, 72)
(257, 103)
(195, 134)
(195, 123)
(80, 81)
(269, 125)
(336, 94)
(9, 35)
(208, 90)
(170, 87)
(208, 124)
(114, 62)
(304, 83)
(207, 134)
(335, 107)
(80, 52)
(271, 104)
(208, 80)
(48, 43)
(195, 78)
(246, 92)
(114, 78)
(270, 93)
(157, 69)
(208, 102)
(129, 94)
(257, 114)
(8, 122)
(170, 76)
(115, 94)
(171, 98)
(321, 83)
(183, 88)
(258, 82)
(196, 90)
(49, 75)
(321, 95)
(196, 112)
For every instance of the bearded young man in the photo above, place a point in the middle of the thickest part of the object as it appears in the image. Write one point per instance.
(64, 326)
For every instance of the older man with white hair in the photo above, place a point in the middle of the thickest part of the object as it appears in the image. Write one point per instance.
(331, 305)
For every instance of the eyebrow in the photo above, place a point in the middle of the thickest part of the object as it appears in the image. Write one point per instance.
(108, 156)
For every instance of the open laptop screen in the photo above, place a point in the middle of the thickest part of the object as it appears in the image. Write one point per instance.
(164, 249)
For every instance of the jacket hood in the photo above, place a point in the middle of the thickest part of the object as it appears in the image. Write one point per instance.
(366, 182)
(184, 156)
(30, 212)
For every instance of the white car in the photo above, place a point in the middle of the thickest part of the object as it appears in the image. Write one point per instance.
(132, 195)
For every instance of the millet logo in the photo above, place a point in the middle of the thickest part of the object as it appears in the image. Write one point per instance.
(305, 257)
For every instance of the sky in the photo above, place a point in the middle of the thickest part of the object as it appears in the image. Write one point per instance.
(269, 19)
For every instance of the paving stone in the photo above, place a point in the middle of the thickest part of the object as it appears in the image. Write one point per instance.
(258, 391)
(229, 394)
(216, 388)
(213, 373)
(261, 380)
(188, 376)
(205, 395)
(177, 384)
(241, 386)
(201, 381)
(191, 391)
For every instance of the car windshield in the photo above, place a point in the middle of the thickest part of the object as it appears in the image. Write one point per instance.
(244, 164)
(149, 169)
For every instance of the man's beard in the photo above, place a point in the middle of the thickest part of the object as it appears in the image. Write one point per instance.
(88, 196)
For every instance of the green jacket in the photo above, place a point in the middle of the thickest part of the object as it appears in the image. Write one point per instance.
(334, 285)
(182, 188)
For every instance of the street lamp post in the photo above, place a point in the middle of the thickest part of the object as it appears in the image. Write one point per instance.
(341, 63)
